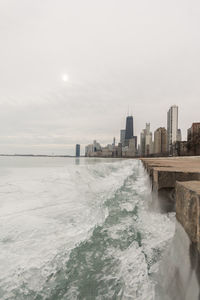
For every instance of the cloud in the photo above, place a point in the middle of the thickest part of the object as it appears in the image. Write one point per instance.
(139, 54)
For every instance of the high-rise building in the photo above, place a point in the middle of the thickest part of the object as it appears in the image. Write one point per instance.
(148, 140)
(193, 143)
(129, 129)
(193, 133)
(179, 135)
(146, 145)
(172, 127)
(142, 143)
(160, 141)
(122, 137)
(113, 144)
(78, 150)
(131, 152)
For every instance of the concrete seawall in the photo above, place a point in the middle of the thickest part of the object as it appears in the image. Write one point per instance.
(181, 176)
(188, 208)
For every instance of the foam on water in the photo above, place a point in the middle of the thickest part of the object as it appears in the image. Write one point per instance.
(79, 232)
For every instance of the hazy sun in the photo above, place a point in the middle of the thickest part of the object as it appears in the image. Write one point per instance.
(65, 77)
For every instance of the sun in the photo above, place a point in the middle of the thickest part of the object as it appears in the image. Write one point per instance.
(65, 77)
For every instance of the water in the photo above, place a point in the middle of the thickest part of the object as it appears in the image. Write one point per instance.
(79, 229)
(179, 271)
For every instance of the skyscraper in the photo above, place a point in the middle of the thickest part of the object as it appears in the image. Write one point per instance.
(142, 143)
(78, 150)
(129, 129)
(160, 141)
(113, 144)
(122, 136)
(146, 145)
(172, 127)
(148, 140)
(179, 135)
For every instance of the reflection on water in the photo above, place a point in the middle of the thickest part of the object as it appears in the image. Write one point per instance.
(77, 161)
(179, 273)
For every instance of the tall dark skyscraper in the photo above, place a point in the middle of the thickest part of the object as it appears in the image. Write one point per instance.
(129, 129)
(78, 150)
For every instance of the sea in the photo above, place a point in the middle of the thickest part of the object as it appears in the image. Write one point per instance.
(81, 228)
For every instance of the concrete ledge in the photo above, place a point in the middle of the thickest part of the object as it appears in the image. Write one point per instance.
(180, 178)
(167, 177)
(188, 208)
(164, 172)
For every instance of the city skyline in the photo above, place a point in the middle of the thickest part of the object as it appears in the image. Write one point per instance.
(166, 142)
(66, 77)
(130, 119)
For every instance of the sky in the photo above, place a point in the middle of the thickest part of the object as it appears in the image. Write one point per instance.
(71, 70)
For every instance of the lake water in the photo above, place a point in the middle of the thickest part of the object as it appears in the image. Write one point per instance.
(79, 229)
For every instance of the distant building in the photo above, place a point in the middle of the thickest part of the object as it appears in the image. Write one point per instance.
(193, 133)
(111, 150)
(113, 144)
(122, 137)
(119, 150)
(110, 147)
(152, 147)
(179, 135)
(132, 150)
(106, 152)
(146, 144)
(78, 150)
(129, 129)
(192, 145)
(96, 146)
(193, 139)
(160, 141)
(93, 149)
(135, 141)
(139, 150)
(89, 150)
(172, 127)
(142, 143)
(180, 148)
(148, 140)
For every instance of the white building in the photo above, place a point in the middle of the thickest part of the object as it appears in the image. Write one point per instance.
(146, 144)
(92, 149)
(97, 146)
(89, 150)
(172, 126)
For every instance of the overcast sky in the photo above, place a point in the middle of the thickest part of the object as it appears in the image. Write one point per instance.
(69, 70)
